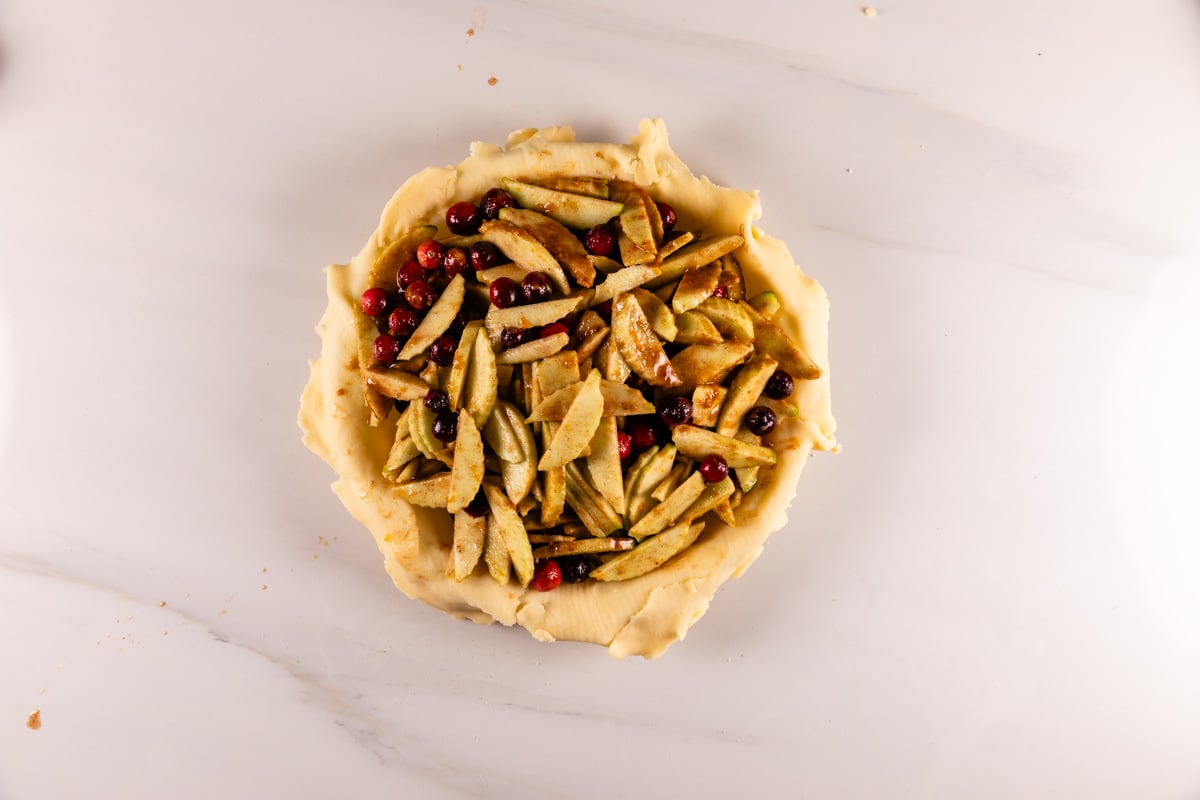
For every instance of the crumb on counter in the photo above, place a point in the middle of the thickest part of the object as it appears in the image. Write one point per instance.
(470, 32)
(493, 80)
(34, 720)
(162, 603)
(869, 11)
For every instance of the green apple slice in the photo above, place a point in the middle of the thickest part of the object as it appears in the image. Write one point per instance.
(620, 281)
(696, 286)
(570, 209)
(729, 318)
(769, 338)
(638, 498)
(578, 425)
(634, 220)
(575, 547)
(534, 351)
(605, 264)
(639, 345)
(429, 493)
(669, 247)
(631, 254)
(556, 372)
(747, 477)
(534, 315)
(420, 426)
(765, 303)
(457, 377)
(610, 362)
(712, 496)
(604, 464)
(512, 531)
(697, 443)
(592, 187)
(519, 477)
(668, 511)
(469, 533)
(395, 384)
(495, 551)
(592, 343)
(525, 251)
(692, 327)
(696, 254)
(510, 271)
(482, 385)
(594, 511)
(649, 555)
(466, 474)
(502, 437)
(440, 315)
(732, 279)
(559, 241)
(744, 392)
(709, 363)
(660, 317)
(706, 404)
(619, 401)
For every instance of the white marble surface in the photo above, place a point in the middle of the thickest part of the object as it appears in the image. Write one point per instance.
(992, 593)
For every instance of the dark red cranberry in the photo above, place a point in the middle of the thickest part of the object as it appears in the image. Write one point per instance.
(605, 309)
(455, 261)
(374, 302)
(441, 352)
(410, 272)
(403, 321)
(720, 291)
(494, 200)
(478, 506)
(714, 469)
(386, 348)
(643, 430)
(437, 400)
(429, 254)
(668, 216)
(553, 329)
(445, 426)
(483, 255)
(536, 287)
(676, 411)
(624, 445)
(420, 295)
(547, 576)
(576, 569)
(504, 292)
(760, 420)
(779, 385)
(455, 330)
(600, 241)
(463, 218)
(511, 337)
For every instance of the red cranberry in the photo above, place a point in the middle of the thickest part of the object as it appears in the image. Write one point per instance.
(605, 309)
(676, 411)
(411, 271)
(419, 295)
(511, 337)
(463, 218)
(494, 200)
(441, 352)
(576, 569)
(779, 385)
(445, 426)
(553, 329)
(386, 348)
(403, 321)
(374, 302)
(504, 292)
(624, 445)
(720, 291)
(643, 431)
(478, 506)
(668, 216)
(536, 287)
(484, 255)
(455, 330)
(547, 576)
(600, 241)
(437, 400)
(429, 254)
(714, 469)
(760, 420)
(455, 261)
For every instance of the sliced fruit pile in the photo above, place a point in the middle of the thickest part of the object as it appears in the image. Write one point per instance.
(577, 383)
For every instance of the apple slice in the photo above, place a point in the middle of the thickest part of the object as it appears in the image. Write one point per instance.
(660, 317)
(457, 377)
(521, 476)
(610, 362)
(631, 254)
(502, 437)
(706, 404)
(638, 497)
(697, 443)
(439, 318)
(469, 533)
(578, 426)
(495, 551)
(696, 286)
(535, 350)
(605, 264)
(420, 426)
(639, 345)
(634, 220)
(619, 401)
(729, 318)
(655, 217)
(696, 254)
(559, 241)
(525, 250)
(620, 281)
(709, 363)
(430, 493)
(765, 303)
(747, 477)
(604, 464)
(512, 531)
(592, 187)
(510, 271)
(667, 512)
(712, 496)
(732, 279)
(556, 372)
(594, 511)
(676, 476)
(576, 547)
(395, 384)
(769, 338)
(482, 385)
(744, 391)
(570, 209)
(669, 247)
(649, 555)
(393, 257)
(534, 315)
(694, 328)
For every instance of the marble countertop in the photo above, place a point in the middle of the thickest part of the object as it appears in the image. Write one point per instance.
(991, 593)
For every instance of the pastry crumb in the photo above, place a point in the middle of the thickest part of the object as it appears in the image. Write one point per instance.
(493, 80)
(162, 603)
(263, 587)
(264, 569)
(459, 67)
(34, 720)
(470, 32)
(868, 11)
(321, 540)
